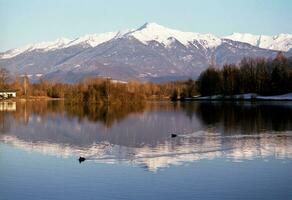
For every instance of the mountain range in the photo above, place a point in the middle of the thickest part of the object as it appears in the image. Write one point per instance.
(150, 53)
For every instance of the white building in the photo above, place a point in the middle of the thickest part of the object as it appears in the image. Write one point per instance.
(7, 93)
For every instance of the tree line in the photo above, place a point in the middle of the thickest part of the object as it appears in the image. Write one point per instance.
(96, 90)
(251, 75)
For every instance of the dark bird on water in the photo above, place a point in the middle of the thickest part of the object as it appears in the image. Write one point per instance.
(81, 159)
(173, 135)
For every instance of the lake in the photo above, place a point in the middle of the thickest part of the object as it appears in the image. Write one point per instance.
(223, 150)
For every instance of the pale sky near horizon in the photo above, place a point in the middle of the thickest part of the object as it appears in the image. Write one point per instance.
(30, 21)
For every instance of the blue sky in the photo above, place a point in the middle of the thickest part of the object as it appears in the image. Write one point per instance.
(29, 21)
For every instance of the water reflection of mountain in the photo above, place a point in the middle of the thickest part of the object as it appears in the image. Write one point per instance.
(188, 148)
(141, 135)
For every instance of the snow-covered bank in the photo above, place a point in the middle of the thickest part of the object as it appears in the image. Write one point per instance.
(248, 96)
(278, 97)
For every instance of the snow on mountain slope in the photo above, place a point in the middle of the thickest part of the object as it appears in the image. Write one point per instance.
(46, 46)
(161, 34)
(92, 40)
(281, 42)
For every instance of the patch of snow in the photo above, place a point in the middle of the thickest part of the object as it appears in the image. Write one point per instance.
(118, 81)
(187, 58)
(142, 75)
(39, 75)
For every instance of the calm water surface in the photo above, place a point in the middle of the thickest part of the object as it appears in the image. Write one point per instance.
(223, 151)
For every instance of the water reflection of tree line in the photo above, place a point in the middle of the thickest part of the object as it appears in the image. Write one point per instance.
(247, 117)
(105, 114)
(92, 112)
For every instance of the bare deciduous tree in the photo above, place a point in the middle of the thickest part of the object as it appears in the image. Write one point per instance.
(4, 77)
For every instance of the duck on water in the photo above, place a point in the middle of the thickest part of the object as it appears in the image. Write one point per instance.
(81, 159)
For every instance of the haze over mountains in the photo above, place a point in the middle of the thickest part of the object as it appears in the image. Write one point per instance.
(149, 53)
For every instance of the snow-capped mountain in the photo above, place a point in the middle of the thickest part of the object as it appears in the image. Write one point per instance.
(150, 52)
(154, 32)
(281, 42)
(147, 32)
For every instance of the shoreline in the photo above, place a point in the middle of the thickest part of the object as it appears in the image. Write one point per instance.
(30, 99)
(241, 97)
